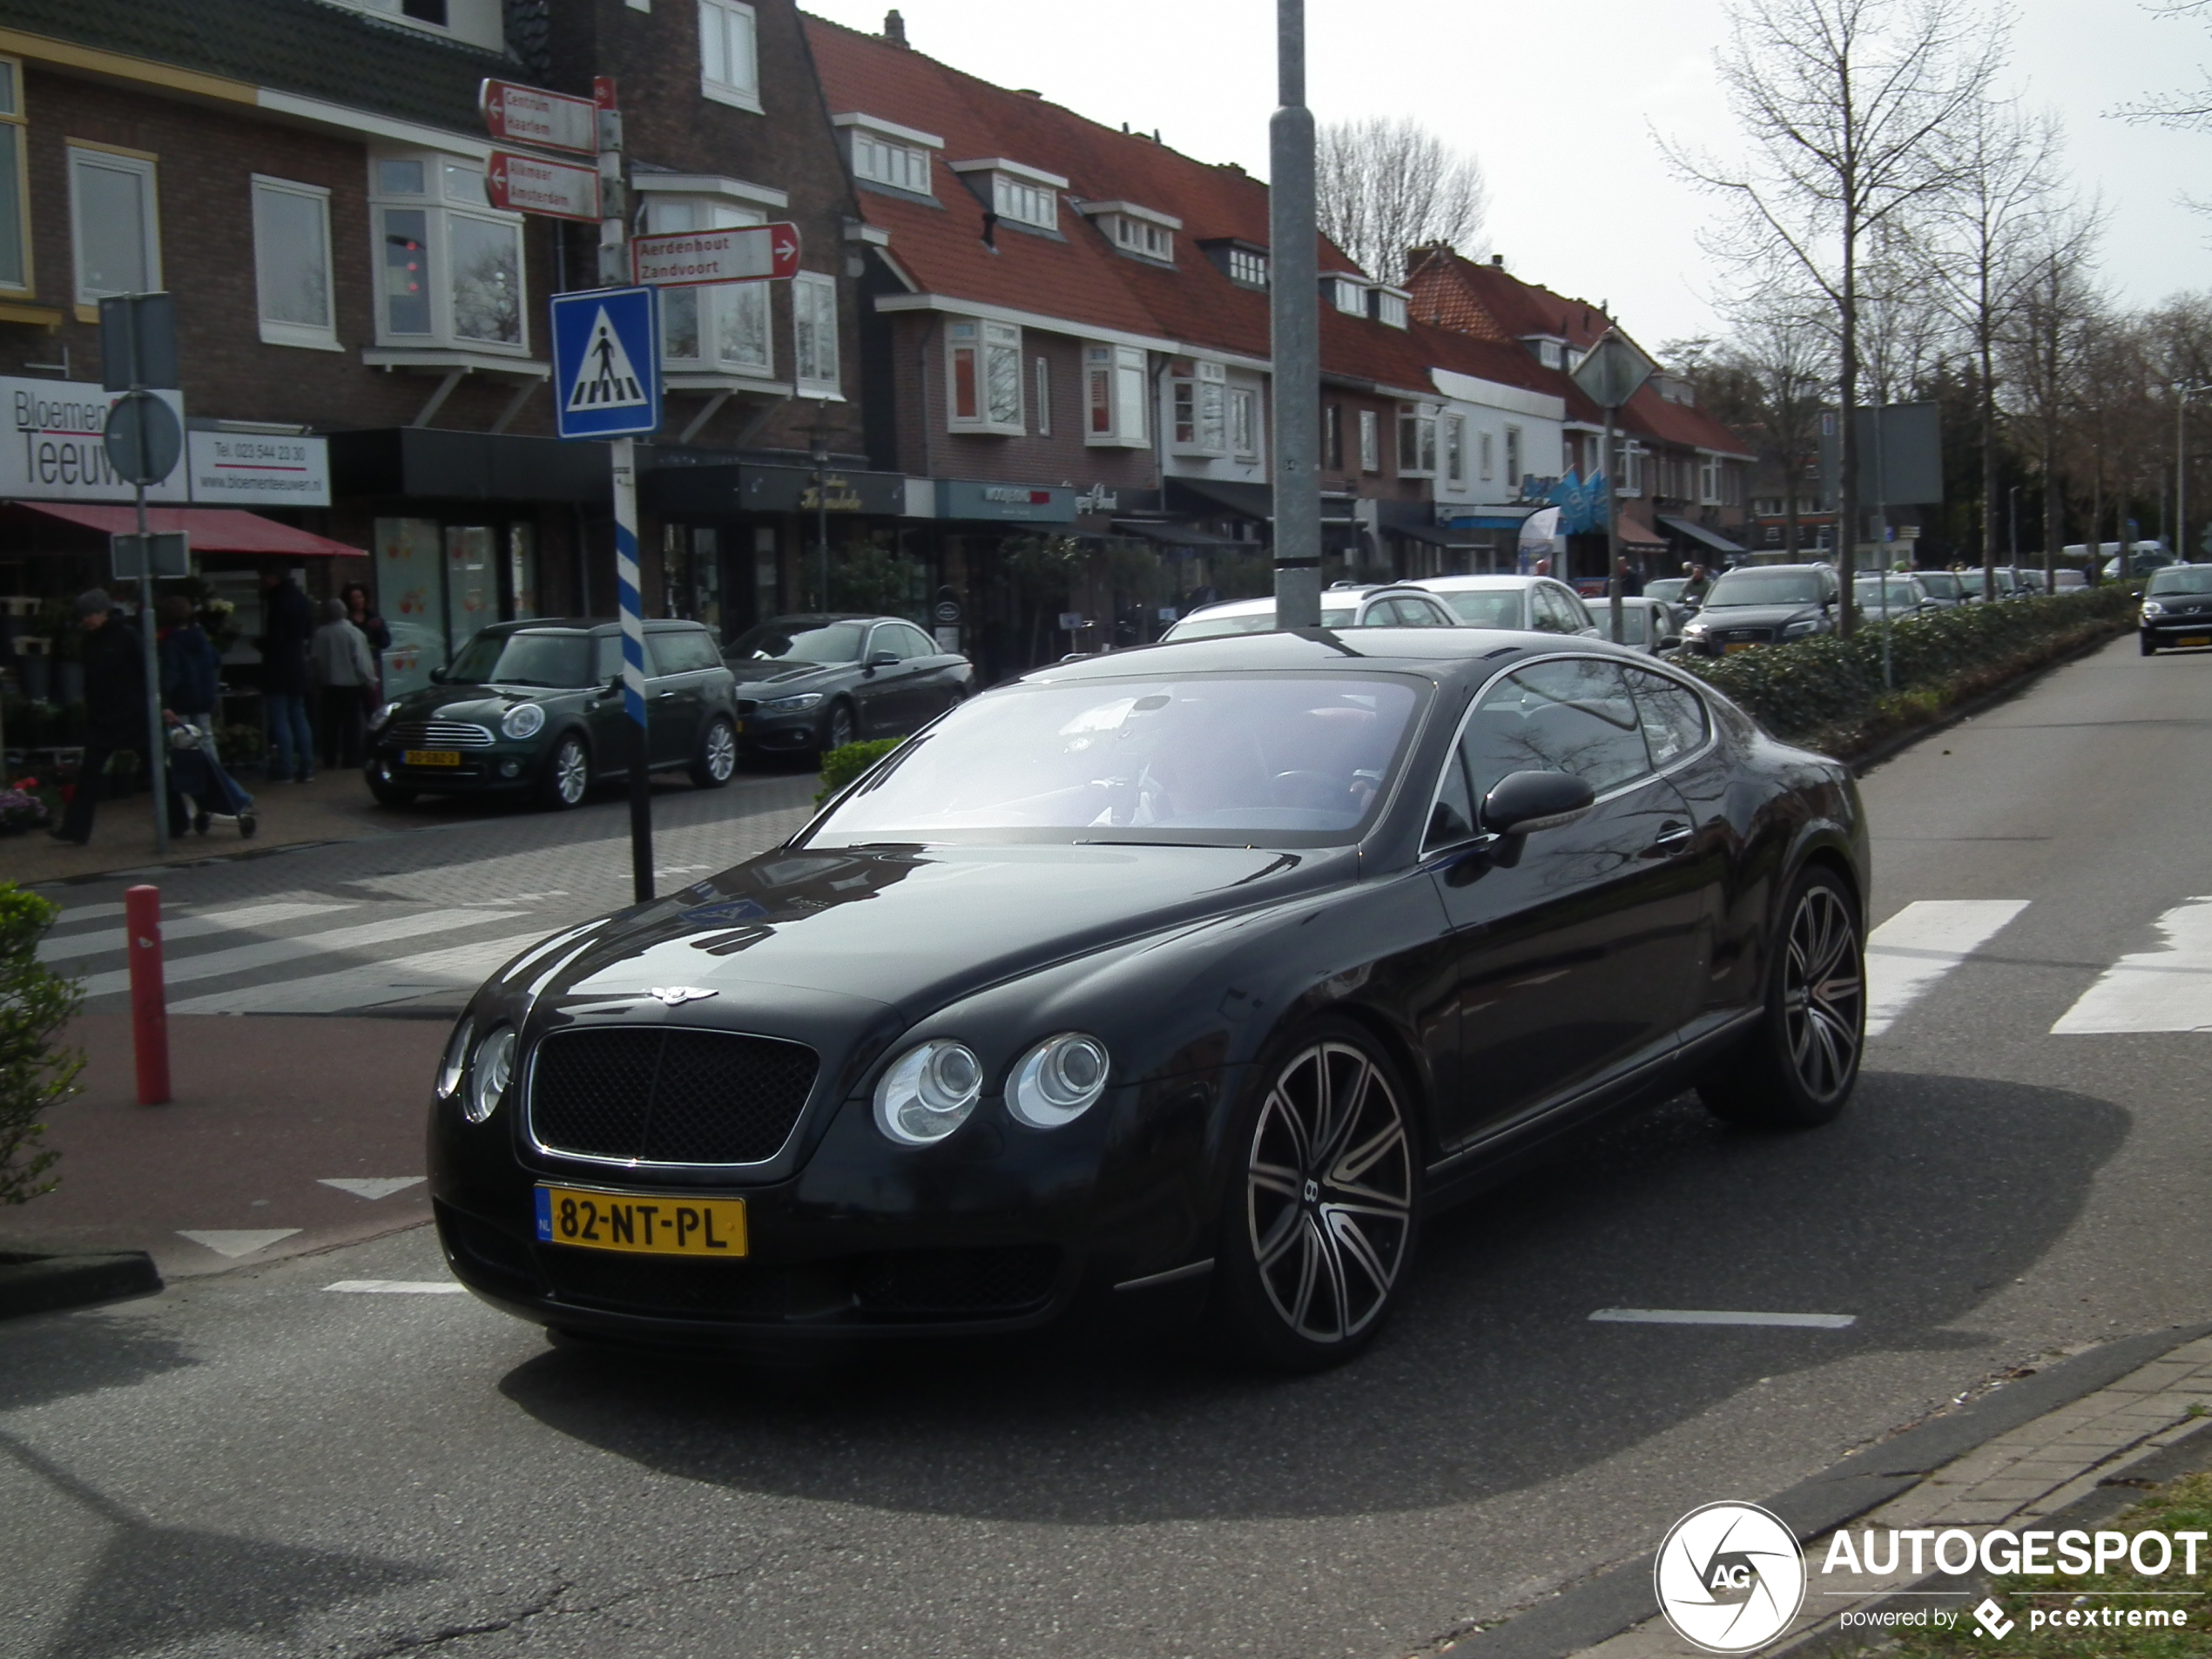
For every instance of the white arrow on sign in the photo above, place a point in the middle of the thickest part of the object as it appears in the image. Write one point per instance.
(694, 258)
(532, 185)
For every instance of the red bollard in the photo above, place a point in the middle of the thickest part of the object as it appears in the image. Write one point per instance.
(149, 997)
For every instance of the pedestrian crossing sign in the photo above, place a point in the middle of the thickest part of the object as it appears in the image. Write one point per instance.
(606, 363)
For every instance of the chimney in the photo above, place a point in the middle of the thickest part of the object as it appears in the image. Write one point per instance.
(894, 29)
(1498, 260)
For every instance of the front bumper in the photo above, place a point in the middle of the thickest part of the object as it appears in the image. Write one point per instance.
(501, 767)
(2166, 632)
(780, 733)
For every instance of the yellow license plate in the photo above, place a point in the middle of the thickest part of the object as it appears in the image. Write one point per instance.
(2194, 639)
(434, 757)
(741, 728)
(1740, 644)
(649, 1223)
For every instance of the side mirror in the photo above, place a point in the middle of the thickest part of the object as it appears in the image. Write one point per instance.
(1524, 802)
(882, 659)
(1670, 641)
(438, 676)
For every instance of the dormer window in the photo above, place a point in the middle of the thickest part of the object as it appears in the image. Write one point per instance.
(1390, 306)
(1551, 354)
(1135, 229)
(883, 153)
(1248, 268)
(1347, 294)
(1018, 194)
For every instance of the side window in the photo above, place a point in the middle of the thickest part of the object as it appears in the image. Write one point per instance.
(1575, 614)
(1575, 716)
(1673, 717)
(607, 657)
(680, 653)
(1453, 817)
(1428, 613)
(912, 643)
(1552, 613)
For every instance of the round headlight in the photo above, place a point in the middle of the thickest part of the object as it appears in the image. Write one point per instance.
(376, 721)
(1058, 1080)
(929, 1093)
(523, 720)
(456, 1060)
(489, 1074)
(2152, 608)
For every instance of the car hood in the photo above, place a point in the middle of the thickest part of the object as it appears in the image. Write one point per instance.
(1754, 616)
(915, 930)
(483, 704)
(753, 675)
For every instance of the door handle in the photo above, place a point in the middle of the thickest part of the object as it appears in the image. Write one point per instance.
(1673, 838)
(662, 697)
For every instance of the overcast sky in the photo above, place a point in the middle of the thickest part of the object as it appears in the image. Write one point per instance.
(1559, 106)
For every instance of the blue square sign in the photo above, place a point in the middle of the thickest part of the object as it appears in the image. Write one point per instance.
(606, 362)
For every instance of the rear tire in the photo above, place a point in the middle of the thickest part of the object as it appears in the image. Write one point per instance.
(1322, 1203)
(718, 756)
(1799, 1067)
(566, 779)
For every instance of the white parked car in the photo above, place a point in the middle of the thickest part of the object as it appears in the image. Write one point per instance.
(1398, 606)
(1533, 604)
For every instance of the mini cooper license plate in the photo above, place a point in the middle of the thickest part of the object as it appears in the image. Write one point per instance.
(433, 757)
(2194, 639)
(649, 1223)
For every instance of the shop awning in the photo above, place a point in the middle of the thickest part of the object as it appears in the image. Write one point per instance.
(1496, 517)
(1634, 535)
(1203, 498)
(1436, 535)
(1697, 532)
(1178, 535)
(212, 529)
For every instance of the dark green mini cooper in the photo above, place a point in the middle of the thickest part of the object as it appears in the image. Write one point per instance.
(537, 706)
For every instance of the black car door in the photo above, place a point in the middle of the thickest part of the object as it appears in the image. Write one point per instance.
(1579, 961)
(682, 663)
(606, 714)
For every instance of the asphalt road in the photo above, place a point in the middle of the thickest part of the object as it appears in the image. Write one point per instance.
(254, 1464)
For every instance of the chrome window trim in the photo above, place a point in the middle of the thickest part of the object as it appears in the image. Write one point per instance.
(530, 1104)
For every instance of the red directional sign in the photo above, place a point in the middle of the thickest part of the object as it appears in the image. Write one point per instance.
(533, 184)
(532, 115)
(695, 259)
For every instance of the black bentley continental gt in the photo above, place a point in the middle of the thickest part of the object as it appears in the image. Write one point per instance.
(1184, 978)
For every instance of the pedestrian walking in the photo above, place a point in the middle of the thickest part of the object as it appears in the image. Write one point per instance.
(1625, 573)
(344, 676)
(363, 616)
(1701, 582)
(115, 707)
(191, 670)
(287, 624)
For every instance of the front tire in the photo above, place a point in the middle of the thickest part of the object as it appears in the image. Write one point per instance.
(387, 793)
(1318, 1222)
(839, 728)
(567, 780)
(718, 759)
(2150, 648)
(1800, 1065)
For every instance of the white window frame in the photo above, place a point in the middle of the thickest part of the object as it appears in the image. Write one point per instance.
(322, 336)
(437, 203)
(885, 161)
(1629, 463)
(1456, 451)
(1390, 309)
(1514, 474)
(1115, 386)
(989, 344)
(1247, 267)
(83, 154)
(720, 310)
(1041, 369)
(1198, 401)
(1348, 296)
(1487, 451)
(1709, 479)
(813, 303)
(1020, 201)
(1244, 436)
(16, 123)
(1370, 441)
(1549, 354)
(716, 16)
(1416, 438)
(1143, 237)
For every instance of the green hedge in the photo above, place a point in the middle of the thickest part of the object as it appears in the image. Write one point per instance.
(35, 1072)
(1828, 692)
(841, 766)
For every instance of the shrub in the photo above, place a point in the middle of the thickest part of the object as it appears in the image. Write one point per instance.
(35, 1073)
(841, 766)
(1828, 692)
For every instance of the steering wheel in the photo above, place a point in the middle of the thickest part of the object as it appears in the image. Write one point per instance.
(1310, 789)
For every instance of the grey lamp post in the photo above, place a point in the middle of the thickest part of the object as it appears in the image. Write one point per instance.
(1614, 372)
(2182, 395)
(1294, 311)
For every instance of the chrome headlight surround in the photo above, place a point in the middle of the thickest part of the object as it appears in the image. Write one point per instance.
(454, 1064)
(2152, 608)
(383, 716)
(1802, 628)
(929, 1092)
(523, 720)
(491, 1069)
(793, 704)
(1058, 1080)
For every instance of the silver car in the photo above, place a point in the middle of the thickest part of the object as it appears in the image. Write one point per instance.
(1341, 607)
(1531, 604)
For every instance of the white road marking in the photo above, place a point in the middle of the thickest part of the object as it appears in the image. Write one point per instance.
(2166, 990)
(236, 1242)
(1920, 944)
(373, 984)
(238, 921)
(1711, 1316)
(372, 1187)
(77, 915)
(268, 952)
(399, 1287)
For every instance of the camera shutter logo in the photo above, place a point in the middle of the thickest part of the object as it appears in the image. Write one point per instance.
(1729, 1577)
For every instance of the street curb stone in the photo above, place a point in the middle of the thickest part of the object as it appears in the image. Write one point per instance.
(42, 1281)
(1620, 1599)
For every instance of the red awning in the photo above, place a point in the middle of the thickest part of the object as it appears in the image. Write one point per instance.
(212, 529)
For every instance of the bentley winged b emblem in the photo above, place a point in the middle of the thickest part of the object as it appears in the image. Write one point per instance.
(677, 996)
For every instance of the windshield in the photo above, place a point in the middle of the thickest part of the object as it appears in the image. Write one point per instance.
(1212, 760)
(1251, 622)
(1765, 588)
(525, 659)
(2182, 578)
(1669, 588)
(1487, 607)
(1902, 593)
(1941, 583)
(798, 642)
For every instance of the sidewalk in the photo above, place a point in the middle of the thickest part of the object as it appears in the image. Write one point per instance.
(268, 1111)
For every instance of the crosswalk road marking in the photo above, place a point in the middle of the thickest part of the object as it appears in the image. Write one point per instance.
(268, 952)
(77, 915)
(1722, 1316)
(400, 979)
(399, 1287)
(239, 920)
(1920, 944)
(373, 1186)
(235, 1242)
(2166, 990)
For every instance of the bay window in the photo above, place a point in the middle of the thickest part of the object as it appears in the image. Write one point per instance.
(723, 328)
(449, 266)
(983, 375)
(814, 308)
(1114, 397)
(1201, 396)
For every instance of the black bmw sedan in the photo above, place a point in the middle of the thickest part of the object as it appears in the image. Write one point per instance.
(1188, 978)
(808, 684)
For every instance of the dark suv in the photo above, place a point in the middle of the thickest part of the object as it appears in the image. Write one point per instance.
(1766, 604)
(537, 706)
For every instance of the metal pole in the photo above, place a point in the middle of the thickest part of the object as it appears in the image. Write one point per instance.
(1294, 309)
(628, 586)
(1612, 530)
(157, 751)
(1882, 544)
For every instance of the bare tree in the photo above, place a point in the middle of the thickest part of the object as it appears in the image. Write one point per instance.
(1770, 383)
(1841, 103)
(2190, 109)
(2047, 347)
(1386, 185)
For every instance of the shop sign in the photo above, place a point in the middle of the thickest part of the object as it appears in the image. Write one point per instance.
(53, 449)
(957, 498)
(256, 469)
(1098, 499)
(788, 490)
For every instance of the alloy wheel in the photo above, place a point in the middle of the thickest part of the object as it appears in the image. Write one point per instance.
(840, 727)
(1329, 1187)
(1824, 992)
(572, 772)
(721, 752)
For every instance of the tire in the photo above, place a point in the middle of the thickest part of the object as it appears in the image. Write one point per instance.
(718, 756)
(567, 778)
(838, 727)
(1316, 1230)
(1798, 1069)
(2150, 648)
(387, 793)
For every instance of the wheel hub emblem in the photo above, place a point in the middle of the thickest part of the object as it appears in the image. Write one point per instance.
(1313, 1192)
